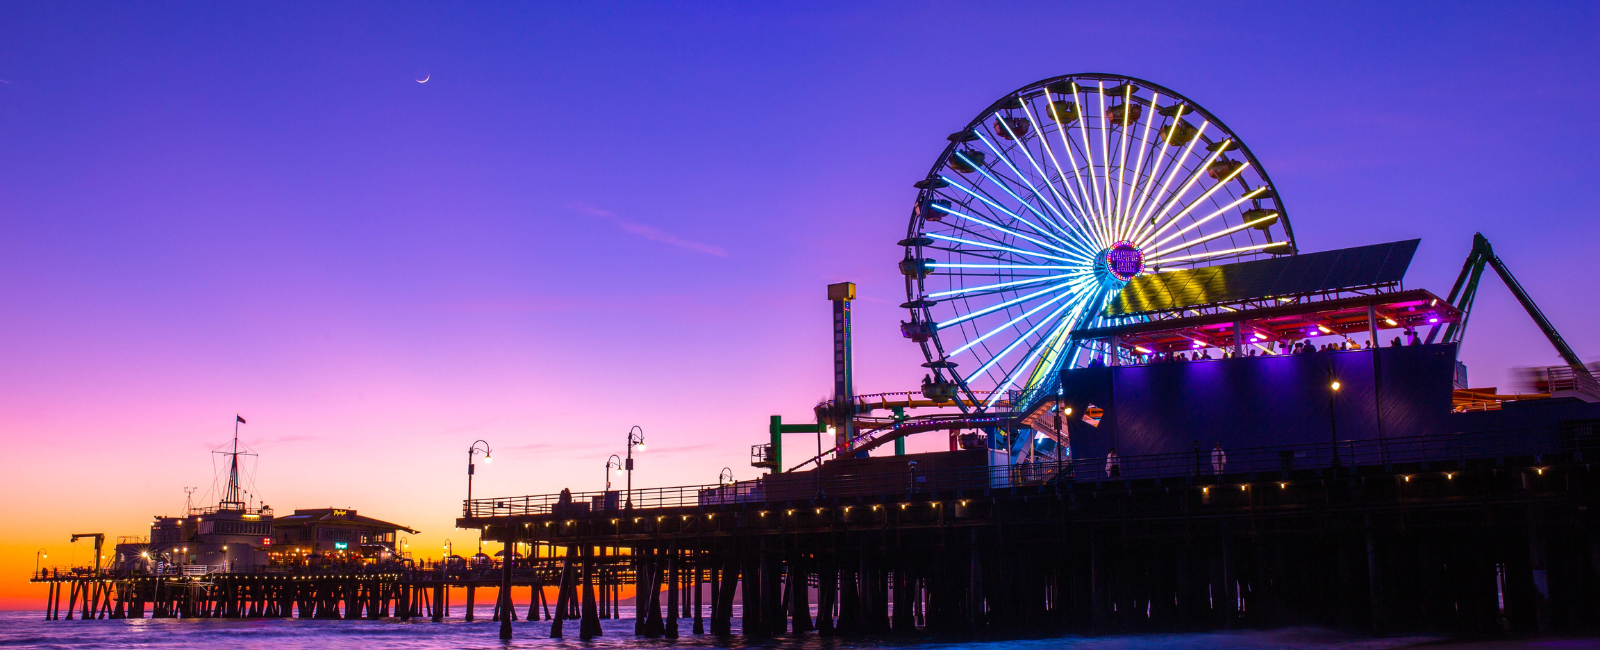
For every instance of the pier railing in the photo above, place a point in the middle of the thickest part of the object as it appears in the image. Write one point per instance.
(1417, 453)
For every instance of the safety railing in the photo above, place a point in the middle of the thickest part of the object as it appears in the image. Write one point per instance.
(1523, 445)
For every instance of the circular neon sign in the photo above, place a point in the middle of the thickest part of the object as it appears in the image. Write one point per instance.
(1124, 260)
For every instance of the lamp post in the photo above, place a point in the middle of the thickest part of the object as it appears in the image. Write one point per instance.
(38, 555)
(1333, 424)
(476, 448)
(613, 464)
(635, 439)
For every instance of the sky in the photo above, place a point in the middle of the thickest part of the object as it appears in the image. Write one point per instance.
(600, 215)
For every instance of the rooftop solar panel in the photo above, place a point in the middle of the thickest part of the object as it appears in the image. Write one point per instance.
(1347, 268)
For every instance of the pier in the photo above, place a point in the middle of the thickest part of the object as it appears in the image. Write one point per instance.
(1478, 532)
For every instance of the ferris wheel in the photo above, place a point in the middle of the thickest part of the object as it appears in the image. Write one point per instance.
(1048, 203)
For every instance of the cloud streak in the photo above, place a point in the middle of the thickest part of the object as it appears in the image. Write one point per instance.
(649, 232)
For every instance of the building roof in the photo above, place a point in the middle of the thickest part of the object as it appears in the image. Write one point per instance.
(1293, 275)
(339, 516)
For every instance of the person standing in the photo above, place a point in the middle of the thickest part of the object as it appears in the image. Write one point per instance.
(1113, 464)
(1219, 459)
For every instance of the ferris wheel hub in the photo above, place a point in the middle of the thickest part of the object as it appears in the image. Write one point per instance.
(1123, 261)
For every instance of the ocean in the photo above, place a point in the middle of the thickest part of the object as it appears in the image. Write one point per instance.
(30, 630)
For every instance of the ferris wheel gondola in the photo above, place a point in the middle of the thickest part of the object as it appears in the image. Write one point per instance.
(1047, 204)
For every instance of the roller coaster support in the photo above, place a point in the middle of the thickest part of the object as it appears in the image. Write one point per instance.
(1465, 291)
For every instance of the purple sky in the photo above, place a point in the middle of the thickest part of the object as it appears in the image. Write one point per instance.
(599, 215)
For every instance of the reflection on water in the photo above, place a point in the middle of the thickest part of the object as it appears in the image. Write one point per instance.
(29, 630)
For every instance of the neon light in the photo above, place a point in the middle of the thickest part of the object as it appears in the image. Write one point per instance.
(1198, 200)
(1001, 285)
(1042, 217)
(1248, 195)
(1219, 233)
(1073, 201)
(1172, 171)
(1105, 155)
(1241, 249)
(1176, 196)
(1011, 376)
(1014, 321)
(1023, 147)
(1007, 350)
(1144, 145)
(998, 227)
(997, 206)
(993, 308)
(999, 247)
(1086, 199)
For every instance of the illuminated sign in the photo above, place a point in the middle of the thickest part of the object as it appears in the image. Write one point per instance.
(341, 545)
(1124, 261)
(340, 513)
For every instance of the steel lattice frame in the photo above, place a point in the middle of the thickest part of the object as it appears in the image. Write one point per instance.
(1049, 201)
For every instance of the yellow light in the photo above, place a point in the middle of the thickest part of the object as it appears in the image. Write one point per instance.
(963, 503)
(1141, 349)
(819, 511)
(640, 446)
(902, 506)
(790, 512)
(1540, 471)
(1449, 476)
(1391, 322)
(874, 507)
(1324, 330)
(1205, 490)
(1408, 479)
(1069, 412)
(1283, 486)
(1334, 385)
(1242, 487)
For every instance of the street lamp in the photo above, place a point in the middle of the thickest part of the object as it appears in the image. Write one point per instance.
(39, 555)
(478, 447)
(634, 440)
(613, 464)
(1333, 424)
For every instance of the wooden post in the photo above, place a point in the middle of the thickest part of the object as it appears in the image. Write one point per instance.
(752, 592)
(589, 627)
(827, 591)
(562, 590)
(472, 590)
(673, 612)
(699, 627)
(438, 602)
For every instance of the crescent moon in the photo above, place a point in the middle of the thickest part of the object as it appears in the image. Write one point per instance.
(424, 79)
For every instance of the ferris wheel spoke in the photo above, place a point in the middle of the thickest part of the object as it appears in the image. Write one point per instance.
(1069, 200)
(1007, 249)
(1249, 195)
(1006, 351)
(996, 205)
(1006, 186)
(1231, 251)
(1024, 177)
(975, 291)
(1122, 159)
(1198, 200)
(1158, 254)
(1014, 301)
(1175, 197)
(1002, 327)
(1173, 167)
(1011, 377)
(1161, 145)
(1088, 165)
(1144, 148)
(1086, 200)
(1105, 161)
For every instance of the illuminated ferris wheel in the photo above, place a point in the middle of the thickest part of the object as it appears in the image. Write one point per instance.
(1048, 203)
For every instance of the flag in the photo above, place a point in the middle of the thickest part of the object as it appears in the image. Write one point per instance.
(238, 417)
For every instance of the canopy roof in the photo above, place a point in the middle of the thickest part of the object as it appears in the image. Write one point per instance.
(1294, 275)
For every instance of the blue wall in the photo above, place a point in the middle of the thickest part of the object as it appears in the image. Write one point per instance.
(1262, 401)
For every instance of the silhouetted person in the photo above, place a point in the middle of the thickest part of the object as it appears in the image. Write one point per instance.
(1113, 464)
(1219, 459)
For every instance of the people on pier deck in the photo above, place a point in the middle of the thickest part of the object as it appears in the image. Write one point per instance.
(1113, 464)
(1219, 459)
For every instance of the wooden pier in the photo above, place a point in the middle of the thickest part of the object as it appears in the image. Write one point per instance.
(1481, 533)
